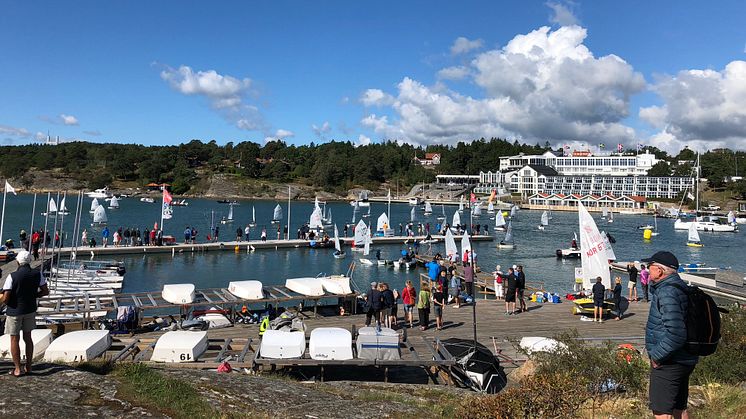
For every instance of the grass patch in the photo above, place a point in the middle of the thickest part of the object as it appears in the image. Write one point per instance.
(147, 387)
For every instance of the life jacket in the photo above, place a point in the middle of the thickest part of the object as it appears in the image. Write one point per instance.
(264, 325)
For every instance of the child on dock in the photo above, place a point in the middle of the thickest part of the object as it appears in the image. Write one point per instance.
(423, 307)
(409, 297)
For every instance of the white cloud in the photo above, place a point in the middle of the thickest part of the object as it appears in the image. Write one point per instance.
(14, 132)
(463, 45)
(561, 14)
(94, 133)
(226, 94)
(362, 140)
(40, 136)
(453, 73)
(69, 119)
(321, 131)
(376, 97)
(283, 133)
(702, 108)
(544, 85)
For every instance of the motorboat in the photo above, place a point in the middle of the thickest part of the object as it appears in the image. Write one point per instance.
(40, 337)
(366, 262)
(336, 284)
(147, 199)
(705, 223)
(180, 346)
(532, 344)
(330, 343)
(571, 253)
(247, 290)
(178, 293)
(415, 201)
(375, 343)
(98, 193)
(280, 344)
(311, 287)
(78, 346)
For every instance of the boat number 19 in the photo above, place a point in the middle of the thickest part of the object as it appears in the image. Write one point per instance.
(185, 357)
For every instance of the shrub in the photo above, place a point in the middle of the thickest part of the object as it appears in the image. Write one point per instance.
(728, 363)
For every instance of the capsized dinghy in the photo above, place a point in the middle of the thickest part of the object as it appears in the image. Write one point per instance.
(312, 287)
(336, 284)
(279, 344)
(178, 293)
(78, 346)
(377, 344)
(330, 343)
(180, 346)
(40, 337)
(247, 290)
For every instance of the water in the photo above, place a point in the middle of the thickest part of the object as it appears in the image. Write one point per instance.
(535, 249)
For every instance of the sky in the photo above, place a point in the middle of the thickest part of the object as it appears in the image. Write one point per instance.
(663, 73)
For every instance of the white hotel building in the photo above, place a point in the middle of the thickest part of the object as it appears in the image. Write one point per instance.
(581, 174)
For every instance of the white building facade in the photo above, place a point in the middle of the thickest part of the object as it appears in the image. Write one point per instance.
(584, 163)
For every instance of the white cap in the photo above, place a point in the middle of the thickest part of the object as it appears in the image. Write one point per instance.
(23, 257)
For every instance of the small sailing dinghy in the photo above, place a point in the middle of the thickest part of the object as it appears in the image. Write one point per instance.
(330, 343)
(280, 344)
(63, 208)
(180, 346)
(311, 287)
(247, 290)
(544, 220)
(508, 242)
(41, 338)
(451, 249)
(336, 284)
(477, 369)
(229, 219)
(693, 240)
(428, 208)
(99, 216)
(253, 217)
(178, 293)
(52, 210)
(611, 217)
(605, 213)
(461, 204)
(477, 211)
(338, 252)
(500, 221)
(78, 346)
(94, 205)
(114, 203)
(442, 217)
(277, 214)
(360, 238)
(456, 221)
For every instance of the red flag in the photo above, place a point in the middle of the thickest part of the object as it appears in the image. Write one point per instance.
(473, 198)
(167, 198)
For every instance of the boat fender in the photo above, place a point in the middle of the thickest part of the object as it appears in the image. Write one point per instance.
(264, 325)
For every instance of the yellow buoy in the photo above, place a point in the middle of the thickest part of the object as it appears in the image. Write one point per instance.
(647, 234)
(236, 249)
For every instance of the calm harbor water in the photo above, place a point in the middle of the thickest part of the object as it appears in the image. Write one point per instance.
(535, 249)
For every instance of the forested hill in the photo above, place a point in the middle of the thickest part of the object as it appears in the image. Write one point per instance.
(334, 166)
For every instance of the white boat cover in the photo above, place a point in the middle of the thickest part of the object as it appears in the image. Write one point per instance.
(178, 293)
(378, 345)
(180, 346)
(540, 344)
(247, 290)
(278, 344)
(78, 346)
(331, 343)
(312, 287)
(40, 337)
(336, 284)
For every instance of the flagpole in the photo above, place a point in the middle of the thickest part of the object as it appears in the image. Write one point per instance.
(163, 202)
(2, 218)
(388, 215)
(31, 229)
(288, 237)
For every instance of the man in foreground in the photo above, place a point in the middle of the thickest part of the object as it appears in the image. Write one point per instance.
(20, 291)
(665, 338)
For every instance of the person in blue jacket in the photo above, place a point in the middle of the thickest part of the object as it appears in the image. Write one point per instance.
(665, 338)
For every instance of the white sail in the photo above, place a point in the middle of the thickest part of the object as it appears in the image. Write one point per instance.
(52, 206)
(361, 230)
(99, 216)
(513, 211)
(605, 212)
(545, 218)
(461, 204)
(253, 215)
(328, 219)
(411, 215)
(451, 249)
(610, 255)
(428, 208)
(456, 220)
(731, 217)
(315, 220)
(693, 233)
(465, 243)
(94, 204)
(355, 209)
(230, 212)
(336, 239)
(477, 209)
(593, 253)
(278, 213)
(114, 203)
(509, 234)
(366, 248)
(63, 207)
(490, 207)
(383, 220)
(499, 219)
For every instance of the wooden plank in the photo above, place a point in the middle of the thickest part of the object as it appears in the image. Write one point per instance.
(429, 346)
(142, 353)
(281, 292)
(124, 351)
(219, 357)
(245, 350)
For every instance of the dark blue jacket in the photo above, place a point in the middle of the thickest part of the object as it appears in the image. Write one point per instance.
(665, 333)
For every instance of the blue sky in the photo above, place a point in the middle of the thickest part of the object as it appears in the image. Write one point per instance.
(666, 73)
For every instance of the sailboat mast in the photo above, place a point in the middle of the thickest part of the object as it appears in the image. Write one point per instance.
(696, 185)
(288, 212)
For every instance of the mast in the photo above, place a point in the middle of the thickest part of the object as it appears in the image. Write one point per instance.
(696, 208)
(288, 212)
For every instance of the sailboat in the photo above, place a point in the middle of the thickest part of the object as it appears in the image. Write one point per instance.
(253, 217)
(383, 223)
(461, 204)
(355, 209)
(605, 213)
(693, 240)
(99, 216)
(52, 208)
(507, 242)
(443, 216)
(594, 259)
(490, 205)
(94, 205)
(456, 220)
(230, 215)
(611, 217)
(544, 220)
(338, 253)
(513, 211)
(465, 245)
(412, 215)
(277, 215)
(327, 219)
(428, 208)
(114, 203)
(451, 249)
(655, 226)
(314, 222)
(477, 211)
(367, 214)
(361, 231)
(63, 209)
(499, 221)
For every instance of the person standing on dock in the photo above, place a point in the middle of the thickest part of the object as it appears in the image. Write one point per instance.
(388, 301)
(644, 281)
(239, 234)
(469, 279)
(618, 298)
(666, 337)
(632, 270)
(372, 304)
(498, 275)
(520, 277)
(105, 236)
(194, 235)
(439, 302)
(409, 298)
(187, 235)
(84, 236)
(510, 293)
(146, 237)
(247, 232)
(599, 292)
(264, 234)
(20, 291)
(423, 307)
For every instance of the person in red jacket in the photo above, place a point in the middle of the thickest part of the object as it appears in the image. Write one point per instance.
(409, 298)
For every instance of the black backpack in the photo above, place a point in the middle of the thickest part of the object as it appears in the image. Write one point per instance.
(702, 321)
